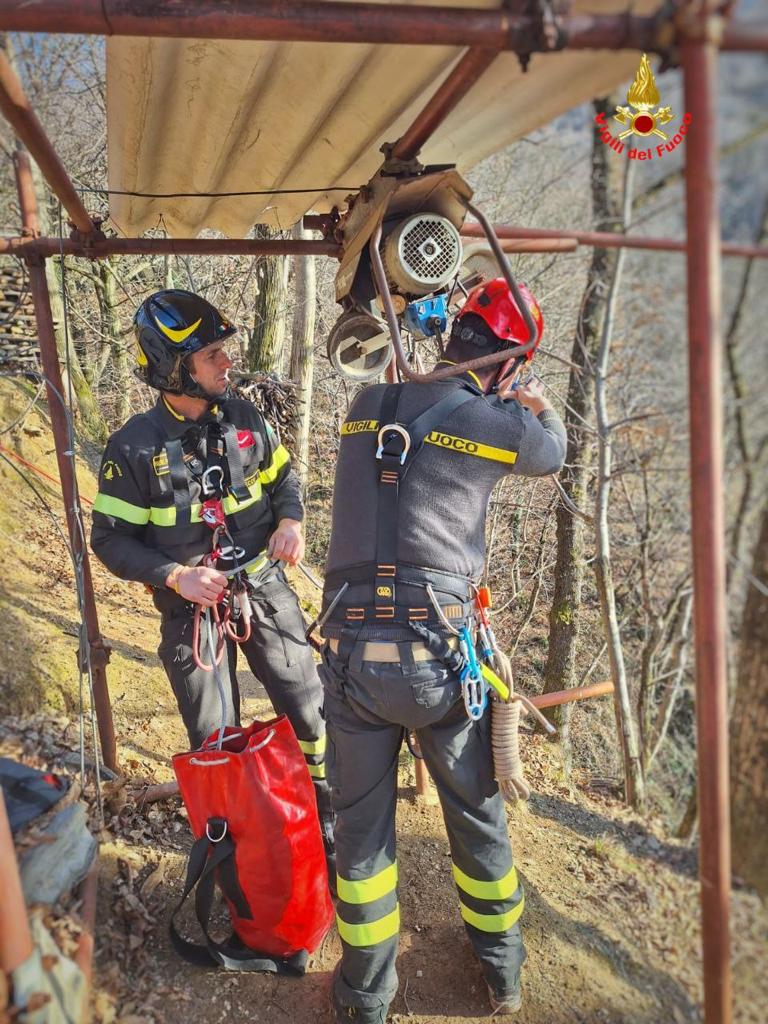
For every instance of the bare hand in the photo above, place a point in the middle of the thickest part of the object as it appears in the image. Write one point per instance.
(199, 583)
(532, 396)
(287, 542)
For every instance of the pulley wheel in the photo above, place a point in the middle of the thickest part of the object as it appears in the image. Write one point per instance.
(359, 346)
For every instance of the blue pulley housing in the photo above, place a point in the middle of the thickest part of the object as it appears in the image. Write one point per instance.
(425, 317)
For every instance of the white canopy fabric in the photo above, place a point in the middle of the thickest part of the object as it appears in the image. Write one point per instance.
(197, 116)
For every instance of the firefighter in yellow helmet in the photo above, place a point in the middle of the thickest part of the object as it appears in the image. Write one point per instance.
(197, 460)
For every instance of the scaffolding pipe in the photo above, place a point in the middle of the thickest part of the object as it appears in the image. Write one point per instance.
(550, 700)
(99, 653)
(705, 347)
(611, 240)
(42, 247)
(25, 187)
(449, 94)
(335, 22)
(17, 110)
(327, 22)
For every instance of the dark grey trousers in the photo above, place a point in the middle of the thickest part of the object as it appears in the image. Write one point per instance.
(367, 707)
(279, 657)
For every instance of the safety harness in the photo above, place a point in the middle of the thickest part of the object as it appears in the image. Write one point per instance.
(216, 464)
(398, 447)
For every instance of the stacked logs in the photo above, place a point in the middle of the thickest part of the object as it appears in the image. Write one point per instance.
(18, 330)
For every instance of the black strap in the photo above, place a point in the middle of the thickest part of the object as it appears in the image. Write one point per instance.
(431, 418)
(179, 481)
(391, 474)
(234, 460)
(390, 471)
(210, 861)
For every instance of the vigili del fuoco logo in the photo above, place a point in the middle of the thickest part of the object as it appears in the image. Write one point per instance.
(643, 118)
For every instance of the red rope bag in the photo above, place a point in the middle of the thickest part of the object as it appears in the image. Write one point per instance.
(252, 810)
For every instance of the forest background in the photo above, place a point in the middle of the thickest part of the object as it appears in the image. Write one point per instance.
(595, 586)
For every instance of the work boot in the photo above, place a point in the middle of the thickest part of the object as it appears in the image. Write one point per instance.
(504, 1004)
(353, 1014)
(357, 1014)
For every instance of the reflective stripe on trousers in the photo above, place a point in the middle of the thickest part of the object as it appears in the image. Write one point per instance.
(366, 709)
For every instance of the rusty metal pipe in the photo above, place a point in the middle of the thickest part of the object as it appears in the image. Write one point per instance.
(334, 22)
(450, 93)
(15, 106)
(42, 247)
(327, 22)
(550, 700)
(159, 791)
(609, 239)
(699, 62)
(55, 389)
(25, 188)
(745, 37)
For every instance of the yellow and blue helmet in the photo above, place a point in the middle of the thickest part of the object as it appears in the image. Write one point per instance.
(170, 326)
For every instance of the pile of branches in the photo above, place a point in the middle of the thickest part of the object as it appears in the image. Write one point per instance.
(275, 397)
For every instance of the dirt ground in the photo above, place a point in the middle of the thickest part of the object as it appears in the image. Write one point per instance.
(611, 919)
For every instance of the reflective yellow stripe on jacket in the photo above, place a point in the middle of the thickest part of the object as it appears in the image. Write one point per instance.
(448, 442)
(166, 515)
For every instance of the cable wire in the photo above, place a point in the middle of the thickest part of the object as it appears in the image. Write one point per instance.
(218, 195)
(77, 552)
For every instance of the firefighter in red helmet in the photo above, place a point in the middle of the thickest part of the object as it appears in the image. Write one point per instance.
(416, 468)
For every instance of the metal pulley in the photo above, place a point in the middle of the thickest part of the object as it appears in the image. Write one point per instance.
(359, 346)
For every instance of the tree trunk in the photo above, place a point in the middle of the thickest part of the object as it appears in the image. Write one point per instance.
(749, 730)
(302, 353)
(569, 566)
(266, 343)
(633, 776)
(113, 337)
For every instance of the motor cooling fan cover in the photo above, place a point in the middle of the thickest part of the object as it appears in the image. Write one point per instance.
(359, 346)
(422, 254)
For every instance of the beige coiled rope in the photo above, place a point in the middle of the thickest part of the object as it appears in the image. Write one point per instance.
(505, 739)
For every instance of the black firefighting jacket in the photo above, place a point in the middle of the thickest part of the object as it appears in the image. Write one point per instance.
(443, 498)
(141, 530)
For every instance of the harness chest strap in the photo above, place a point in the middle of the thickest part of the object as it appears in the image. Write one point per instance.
(217, 448)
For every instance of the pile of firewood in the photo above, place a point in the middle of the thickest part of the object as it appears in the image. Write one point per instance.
(275, 398)
(18, 330)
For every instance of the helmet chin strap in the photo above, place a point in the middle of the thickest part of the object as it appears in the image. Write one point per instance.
(509, 373)
(198, 392)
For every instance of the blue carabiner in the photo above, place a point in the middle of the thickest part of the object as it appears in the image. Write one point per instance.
(473, 686)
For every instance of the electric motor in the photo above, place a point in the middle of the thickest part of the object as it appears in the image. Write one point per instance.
(422, 254)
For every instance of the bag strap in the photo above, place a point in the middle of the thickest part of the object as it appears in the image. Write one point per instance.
(209, 860)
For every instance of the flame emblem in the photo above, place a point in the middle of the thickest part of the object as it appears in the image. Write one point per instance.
(644, 97)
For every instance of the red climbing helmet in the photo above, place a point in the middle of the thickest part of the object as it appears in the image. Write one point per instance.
(493, 302)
